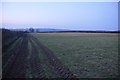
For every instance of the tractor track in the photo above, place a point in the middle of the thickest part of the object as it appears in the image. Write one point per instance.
(6, 46)
(37, 70)
(18, 67)
(57, 66)
(7, 58)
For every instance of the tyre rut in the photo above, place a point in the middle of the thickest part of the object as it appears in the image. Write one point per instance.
(18, 67)
(57, 66)
(37, 70)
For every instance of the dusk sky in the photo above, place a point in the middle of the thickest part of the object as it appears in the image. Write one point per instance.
(61, 15)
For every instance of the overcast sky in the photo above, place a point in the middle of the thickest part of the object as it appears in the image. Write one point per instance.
(61, 15)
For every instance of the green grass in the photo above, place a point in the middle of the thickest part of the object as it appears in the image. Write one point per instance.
(87, 55)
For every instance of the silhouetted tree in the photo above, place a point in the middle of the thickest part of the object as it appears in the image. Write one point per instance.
(31, 30)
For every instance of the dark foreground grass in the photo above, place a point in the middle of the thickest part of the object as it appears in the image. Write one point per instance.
(88, 55)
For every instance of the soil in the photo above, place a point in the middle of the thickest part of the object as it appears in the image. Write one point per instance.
(17, 67)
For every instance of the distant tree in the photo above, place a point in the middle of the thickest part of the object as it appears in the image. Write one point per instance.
(31, 30)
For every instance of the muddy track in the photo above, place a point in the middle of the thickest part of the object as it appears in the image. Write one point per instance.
(57, 66)
(37, 70)
(5, 47)
(8, 57)
(18, 67)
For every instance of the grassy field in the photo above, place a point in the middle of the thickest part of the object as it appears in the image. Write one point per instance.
(88, 55)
